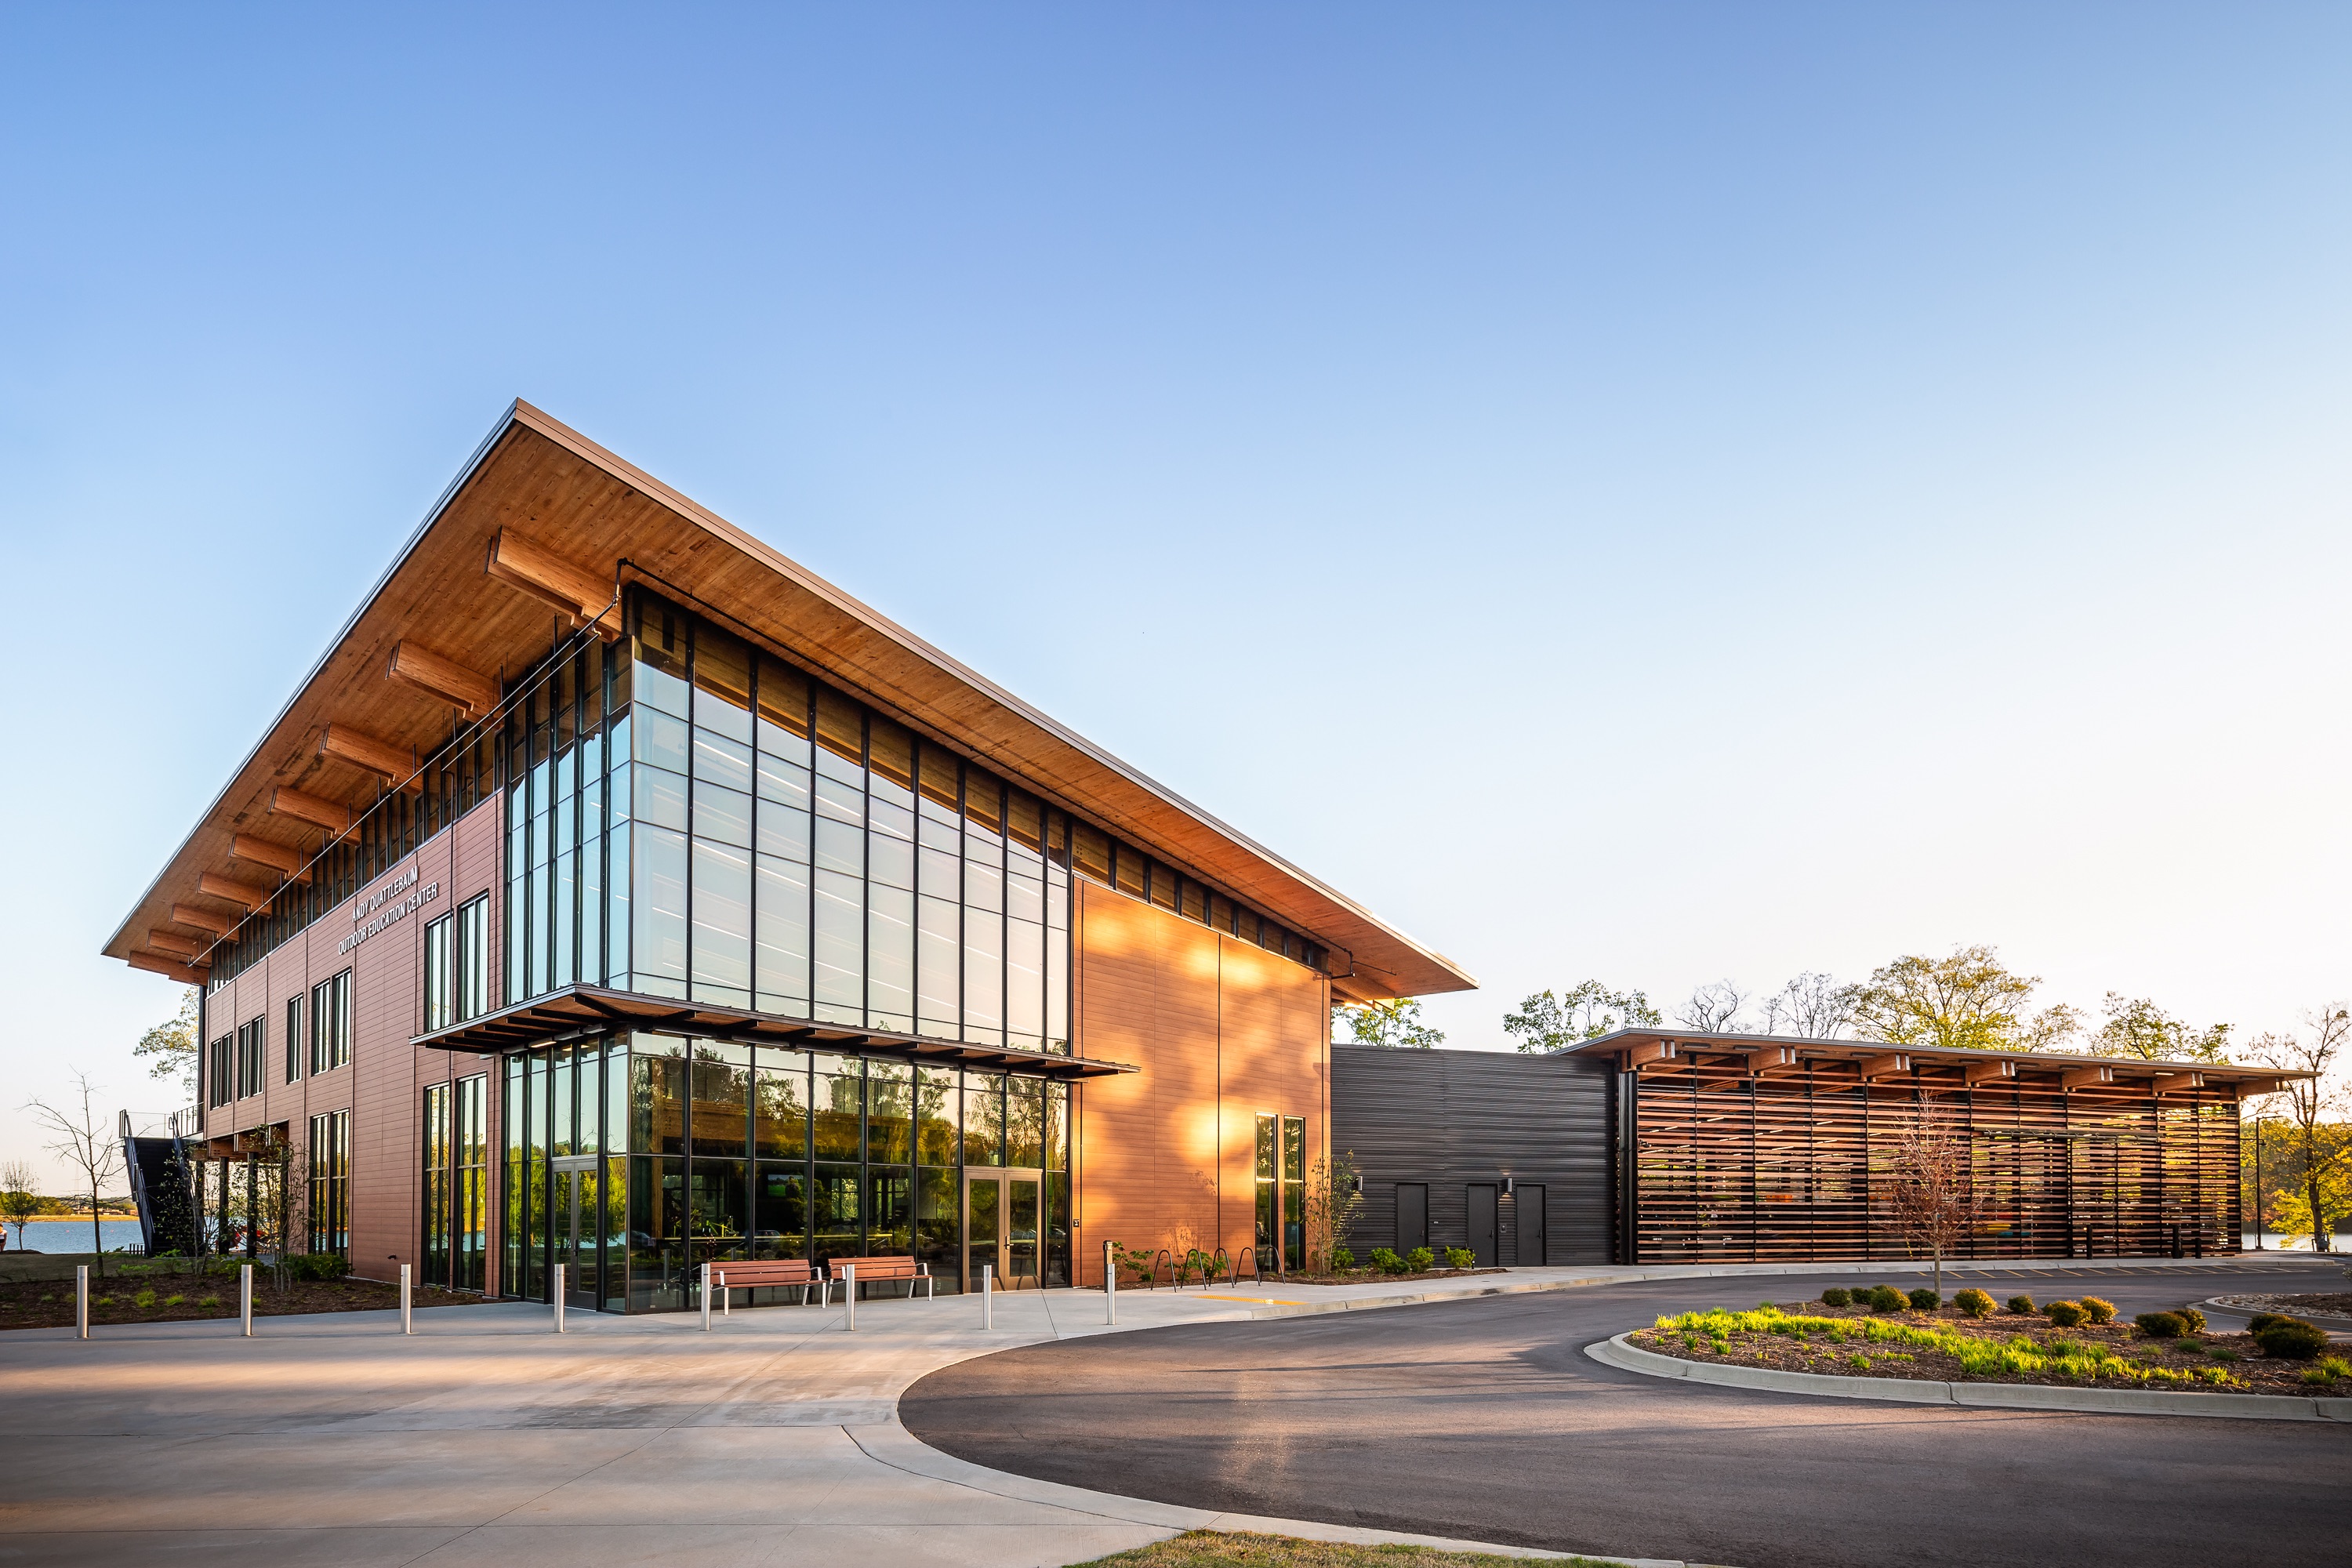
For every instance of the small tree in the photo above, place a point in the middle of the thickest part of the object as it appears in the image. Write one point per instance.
(20, 1196)
(2316, 1153)
(1334, 1194)
(1584, 1012)
(85, 1142)
(1936, 1204)
(171, 1047)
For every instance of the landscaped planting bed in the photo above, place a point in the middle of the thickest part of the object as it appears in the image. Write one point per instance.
(170, 1296)
(2331, 1304)
(2024, 1343)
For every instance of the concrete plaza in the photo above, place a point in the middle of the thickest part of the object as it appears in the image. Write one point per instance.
(485, 1437)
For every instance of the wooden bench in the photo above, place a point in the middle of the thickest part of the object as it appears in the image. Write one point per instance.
(761, 1273)
(879, 1271)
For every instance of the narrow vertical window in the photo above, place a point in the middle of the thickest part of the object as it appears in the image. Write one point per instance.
(293, 1038)
(1269, 1134)
(1294, 1191)
(438, 977)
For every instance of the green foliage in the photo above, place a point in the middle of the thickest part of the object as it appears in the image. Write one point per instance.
(2160, 1325)
(2292, 1339)
(1923, 1300)
(1386, 1260)
(1837, 1296)
(2098, 1310)
(173, 1300)
(1974, 1303)
(1395, 1024)
(2222, 1353)
(1460, 1257)
(1979, 1356)
(146, 1297)
(1969, 999)
(1886, 1298)
(1586, 1011)
(2329, 1369)
(1420, 1258)
(1342, 1259)
(2190, 1318)
(2022, 1305)
(2145, 1032)
(2067, 1315)
(317, 1265)
(2260, 1320)
(170, 1045)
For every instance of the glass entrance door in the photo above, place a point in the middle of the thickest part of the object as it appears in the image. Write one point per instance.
(1002, 1227)
(577, 1217)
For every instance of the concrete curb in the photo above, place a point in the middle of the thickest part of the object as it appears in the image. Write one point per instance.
(891, 1444)
(1615, 1351)
(2324, 1320)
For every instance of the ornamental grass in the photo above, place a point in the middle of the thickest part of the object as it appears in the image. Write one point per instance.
(1980, 1355)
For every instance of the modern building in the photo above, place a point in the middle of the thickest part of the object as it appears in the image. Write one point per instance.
(617, 894)
(1646, 1146)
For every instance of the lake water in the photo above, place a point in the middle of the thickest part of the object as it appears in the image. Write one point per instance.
(73, 1235)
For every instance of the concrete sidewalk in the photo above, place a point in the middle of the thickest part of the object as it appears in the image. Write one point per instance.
(332, 1439)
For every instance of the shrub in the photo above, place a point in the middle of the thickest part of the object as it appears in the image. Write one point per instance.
(1385, 1259)
(2292, 1339)
(2098, 1310)
(317, 1265)
(173, 1300)
(2022, 1305)
(1461, 1258)
(146, 1297)
(1925, 1301)
(1342, 1259)
(2190, 1318)
(2066, 1315)
(2329, 1369)
(2160, 1325)
(1974, 1303)
(2260, 1320)
(1420, 1257)
(1837, 1296)
(1886, 1298)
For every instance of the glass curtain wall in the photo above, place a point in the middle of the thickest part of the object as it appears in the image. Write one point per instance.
(705, 1150)
(457, 1183)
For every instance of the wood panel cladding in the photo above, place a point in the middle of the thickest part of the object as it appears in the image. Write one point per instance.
(1224, 1032)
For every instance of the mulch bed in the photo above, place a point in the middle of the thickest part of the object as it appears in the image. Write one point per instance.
(2335, 1304)
(2249, 1372)
(49, 1303)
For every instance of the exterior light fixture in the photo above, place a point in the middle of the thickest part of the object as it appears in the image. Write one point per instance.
(1506, 1187)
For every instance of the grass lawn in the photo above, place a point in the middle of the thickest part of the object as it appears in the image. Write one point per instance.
(1217, 1549)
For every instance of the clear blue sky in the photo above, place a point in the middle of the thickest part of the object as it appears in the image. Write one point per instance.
(1658, 493)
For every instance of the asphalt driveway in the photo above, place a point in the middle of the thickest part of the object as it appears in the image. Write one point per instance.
(1483, 1419)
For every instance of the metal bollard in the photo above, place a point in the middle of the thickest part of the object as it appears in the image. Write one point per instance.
(705, 1297)
(725, 1296)
(245, 1296)
(849, 1294)
(1110, 1286)
(988, 1295)
(558, 1296)
(406, 1325)
(81, 1300)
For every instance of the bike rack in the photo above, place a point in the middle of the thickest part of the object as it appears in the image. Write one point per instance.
(1152, 1283)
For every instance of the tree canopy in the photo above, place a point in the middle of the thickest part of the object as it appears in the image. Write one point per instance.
(1969, 999)
(1586, 1011)
(2143, 1031)
(1397, 1022)
(172, 1045)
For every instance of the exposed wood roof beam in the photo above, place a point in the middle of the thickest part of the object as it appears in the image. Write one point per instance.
(582, 596)
(442, 678)
(236, 892)
(172, 943)
(333, 815)
(1650, 1051)
(204, 919)
(289, 862)
(2179, 1082)
(156, 963)
(387, 761)
(1773, 1059)
(1999, 1069)
(2087, 1078)
(1893, 1062)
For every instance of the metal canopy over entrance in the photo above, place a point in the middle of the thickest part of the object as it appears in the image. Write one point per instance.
(578, 1012)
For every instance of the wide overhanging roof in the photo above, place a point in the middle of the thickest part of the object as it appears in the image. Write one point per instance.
(571, 515)
(1666, 1050)
(578, 1011)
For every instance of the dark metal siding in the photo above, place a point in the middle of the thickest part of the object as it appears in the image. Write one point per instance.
(1453, 1118)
